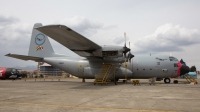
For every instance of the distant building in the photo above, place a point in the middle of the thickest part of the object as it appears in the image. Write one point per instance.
(48, 70)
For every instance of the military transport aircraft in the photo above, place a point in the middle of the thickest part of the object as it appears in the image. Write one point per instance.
(93, 56)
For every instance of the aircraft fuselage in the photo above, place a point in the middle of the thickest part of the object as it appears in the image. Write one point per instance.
(146, 66)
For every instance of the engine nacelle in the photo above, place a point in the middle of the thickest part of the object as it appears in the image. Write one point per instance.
(109, 52)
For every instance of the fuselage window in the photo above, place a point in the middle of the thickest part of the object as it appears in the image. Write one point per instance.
(158, 63)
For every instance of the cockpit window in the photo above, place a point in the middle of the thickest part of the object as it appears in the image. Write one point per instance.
(173, 59)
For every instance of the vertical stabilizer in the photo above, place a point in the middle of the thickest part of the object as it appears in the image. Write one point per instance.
(40, 45)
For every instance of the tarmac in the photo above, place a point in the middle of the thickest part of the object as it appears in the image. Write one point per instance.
(72, 95)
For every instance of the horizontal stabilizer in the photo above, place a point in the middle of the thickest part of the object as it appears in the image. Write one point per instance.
(23, 57)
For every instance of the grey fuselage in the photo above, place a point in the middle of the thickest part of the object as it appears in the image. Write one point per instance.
(143, 66)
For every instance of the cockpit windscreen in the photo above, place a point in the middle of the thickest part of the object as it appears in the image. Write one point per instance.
(173, 58)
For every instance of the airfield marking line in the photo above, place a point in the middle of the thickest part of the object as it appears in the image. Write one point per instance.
(85, 107)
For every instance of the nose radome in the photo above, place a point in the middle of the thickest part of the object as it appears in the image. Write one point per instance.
(184, 70)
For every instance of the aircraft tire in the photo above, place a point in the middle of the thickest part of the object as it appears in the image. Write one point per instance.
(124, 81)
(167, 80)
(175, 81)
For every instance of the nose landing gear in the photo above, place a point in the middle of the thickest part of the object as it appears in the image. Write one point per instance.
(167, 80)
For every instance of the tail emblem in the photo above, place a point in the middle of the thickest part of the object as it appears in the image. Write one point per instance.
(39, 40)
(39, 48)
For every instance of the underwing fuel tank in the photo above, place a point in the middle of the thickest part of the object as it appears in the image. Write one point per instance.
(8, 73)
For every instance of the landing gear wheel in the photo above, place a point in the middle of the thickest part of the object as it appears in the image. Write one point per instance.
(116, 80)
(125, 81)
(175, 81)
(167, 80)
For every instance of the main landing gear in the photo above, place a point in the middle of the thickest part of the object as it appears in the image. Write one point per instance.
(167, 80)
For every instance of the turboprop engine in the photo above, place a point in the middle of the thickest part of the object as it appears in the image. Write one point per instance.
(113, 53)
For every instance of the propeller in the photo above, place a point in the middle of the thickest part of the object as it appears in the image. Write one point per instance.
(129, 54)
(125, 49)
(182, 62)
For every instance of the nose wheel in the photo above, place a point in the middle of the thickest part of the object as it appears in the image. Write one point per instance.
(167, 80)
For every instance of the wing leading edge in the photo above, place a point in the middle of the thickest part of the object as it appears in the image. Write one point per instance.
(70, 39)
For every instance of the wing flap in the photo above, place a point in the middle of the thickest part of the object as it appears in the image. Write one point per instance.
(23, 57)
(69, 38)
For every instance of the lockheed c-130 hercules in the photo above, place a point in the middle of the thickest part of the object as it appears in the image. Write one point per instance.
(97, 62)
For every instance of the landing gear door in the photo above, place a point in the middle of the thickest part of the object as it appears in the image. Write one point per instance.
(81, 70)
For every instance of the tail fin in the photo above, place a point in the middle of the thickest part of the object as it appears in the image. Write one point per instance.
(40, 45)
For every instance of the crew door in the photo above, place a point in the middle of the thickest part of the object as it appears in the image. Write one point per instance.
(81, 70)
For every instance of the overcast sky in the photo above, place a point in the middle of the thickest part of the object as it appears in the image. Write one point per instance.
(170, 27)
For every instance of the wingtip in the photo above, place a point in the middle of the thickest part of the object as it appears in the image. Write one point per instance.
(8, 54)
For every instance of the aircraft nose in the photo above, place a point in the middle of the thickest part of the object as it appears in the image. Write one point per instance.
(184, 69)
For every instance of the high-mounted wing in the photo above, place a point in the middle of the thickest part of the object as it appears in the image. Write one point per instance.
(22, 57)
(70, 39)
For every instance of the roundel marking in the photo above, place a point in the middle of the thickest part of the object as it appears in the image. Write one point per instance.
(40, 39)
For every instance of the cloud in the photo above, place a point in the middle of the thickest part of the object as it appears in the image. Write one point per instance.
(167, 38)
(109, 27)
(119, 40)
(82, 25)
(4, 20)
(15, 35)
(14, 38)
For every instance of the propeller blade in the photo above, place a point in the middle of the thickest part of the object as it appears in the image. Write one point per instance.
(130, 55)
(125, 49)
(182, 62)
(125, 39)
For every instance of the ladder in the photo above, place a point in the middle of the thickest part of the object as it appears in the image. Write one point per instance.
(104, 74)
(190, 78)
